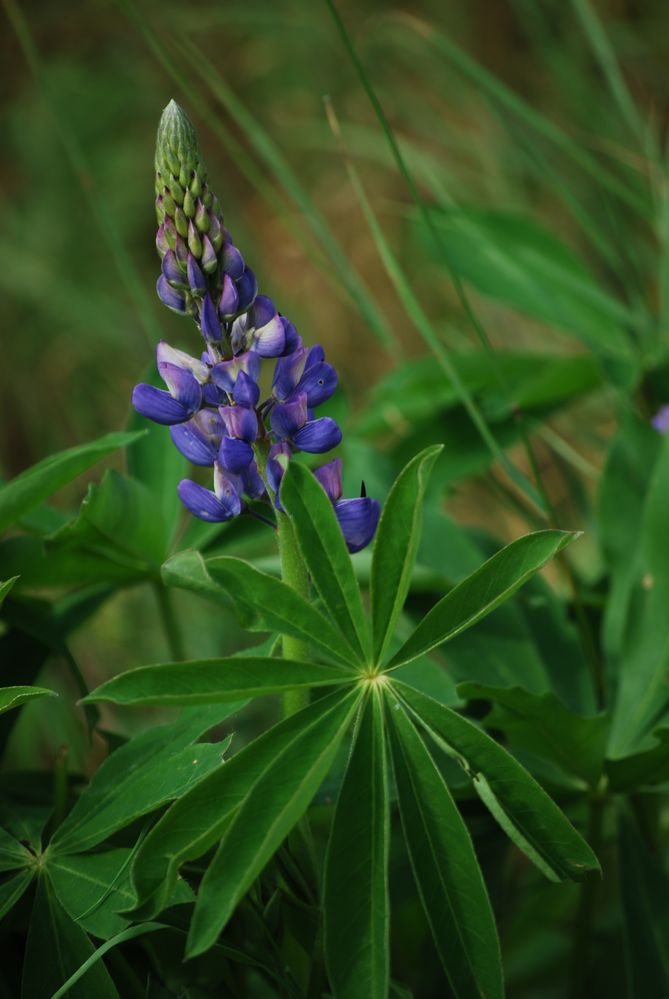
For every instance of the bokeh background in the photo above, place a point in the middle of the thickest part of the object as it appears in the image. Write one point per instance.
(84, 86)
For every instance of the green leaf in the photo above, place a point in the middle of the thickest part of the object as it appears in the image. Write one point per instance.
(513, 260)
(188, 571)
(324, 549)
(13, 697)
(621, 494)
(396, 545)
(267, 604)
(93, 887)
(29, 488)
(411, 395)
(12, 890)
(482, 592)
(644, 885)
(447, 873)
(540, 723)
(6, 587)
(355, 899)
(55, 948)
(154, 461)
(176, 838)
(523, 809)
(150, 770)
(270, 807)
(631, 773)
(641, 690)
(13, 854)
(68, 987)
(120, 512)
(212, 681)
(48, 563)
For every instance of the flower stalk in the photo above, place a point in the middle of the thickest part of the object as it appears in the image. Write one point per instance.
(212, 402)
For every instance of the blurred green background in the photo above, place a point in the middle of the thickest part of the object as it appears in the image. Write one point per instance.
(85, 84)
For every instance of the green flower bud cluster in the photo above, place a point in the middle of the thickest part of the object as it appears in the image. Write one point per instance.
(203, 274)
(188, 212)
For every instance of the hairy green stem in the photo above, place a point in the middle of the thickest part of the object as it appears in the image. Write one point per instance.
(294, 574)
(169, 622)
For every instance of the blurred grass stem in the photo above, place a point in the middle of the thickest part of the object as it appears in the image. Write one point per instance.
(124, 264)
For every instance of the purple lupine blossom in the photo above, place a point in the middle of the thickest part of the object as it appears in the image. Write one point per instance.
(661, 419)
(212, 403)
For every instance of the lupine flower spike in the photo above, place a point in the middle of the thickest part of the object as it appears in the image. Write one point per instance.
(212, 403)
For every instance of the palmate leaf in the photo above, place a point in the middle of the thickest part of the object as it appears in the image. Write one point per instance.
(201, 816)
(274, 606)
(29, 488)
(212, 681)
(396, 545)
(269, 809)
(93, 887)
(482, 592)
(523, 809)
(324, 550)
(121, 516)
(150, 770)
(55, 948)
(13, 853)
(445, 867)
(13, 889)
(356, 903)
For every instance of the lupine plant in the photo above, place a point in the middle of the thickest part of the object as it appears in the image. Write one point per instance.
(433, 751)
(350, 722)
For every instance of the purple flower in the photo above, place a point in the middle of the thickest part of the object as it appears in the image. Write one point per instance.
(225, 373)
(176, 405)
(199, 439)
(252, 483)
(289, 422)
(240, 422)
(277, 463)
(172, 271)
(305, 370)
(229, 300)
(260, 329)
(220, 505)
(212, 404)
(169, 297)
(233, 261)
(661, 420)
(235, 454)
(246, 392)
(196, 279)
(170, 355)
(247, 288)
(209, 321)
(357, 518)
(293, 339)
